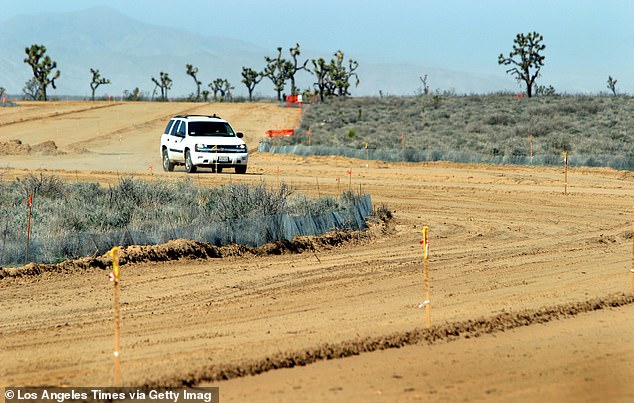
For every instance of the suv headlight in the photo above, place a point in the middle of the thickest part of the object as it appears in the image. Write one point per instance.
(199, 147)
(242, 147)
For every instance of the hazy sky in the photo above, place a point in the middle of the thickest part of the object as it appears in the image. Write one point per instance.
(586, 40)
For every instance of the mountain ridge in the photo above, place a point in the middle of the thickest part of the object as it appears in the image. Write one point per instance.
(130, 52)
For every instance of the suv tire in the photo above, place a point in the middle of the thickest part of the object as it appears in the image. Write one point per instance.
(168, 165)
(190, 168)
(241, 169)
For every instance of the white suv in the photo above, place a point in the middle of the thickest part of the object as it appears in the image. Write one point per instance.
(203, 141)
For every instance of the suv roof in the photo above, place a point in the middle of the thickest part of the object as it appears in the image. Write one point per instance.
(214, 116)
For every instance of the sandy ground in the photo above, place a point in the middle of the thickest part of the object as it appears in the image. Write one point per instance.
(540, 363)
(502, 240)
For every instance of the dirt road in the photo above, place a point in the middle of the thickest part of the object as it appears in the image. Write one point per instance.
(502, 240)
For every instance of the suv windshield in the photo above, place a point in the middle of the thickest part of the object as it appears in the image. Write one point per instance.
(221, 129)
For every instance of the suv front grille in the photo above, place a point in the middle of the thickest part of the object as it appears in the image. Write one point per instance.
(208, 148)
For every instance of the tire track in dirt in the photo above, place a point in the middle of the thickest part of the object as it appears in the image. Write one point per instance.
(60, 114)
(81, 146)
(436, 334)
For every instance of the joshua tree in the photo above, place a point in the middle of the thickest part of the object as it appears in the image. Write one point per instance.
(226, 90)
(215, 87)
(251, 78)
(340, 76)
(293, 67)
(97, 80)
(164, 85)
(222, 86)
(542, 90)
(423, 79)
(192, 71)
(134, 95)
(322, 72)
(333, 78)
(277, 70)
(42, 67)
(526, 59)
(612, 85)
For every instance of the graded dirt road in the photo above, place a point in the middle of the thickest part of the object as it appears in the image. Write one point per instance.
(503, 240)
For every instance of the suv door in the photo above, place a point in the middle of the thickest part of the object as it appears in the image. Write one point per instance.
(175, 141)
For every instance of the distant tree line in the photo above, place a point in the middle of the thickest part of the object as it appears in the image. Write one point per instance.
(332, 77)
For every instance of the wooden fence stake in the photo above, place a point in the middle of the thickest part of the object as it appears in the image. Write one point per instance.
(114, 277)
(426, 303)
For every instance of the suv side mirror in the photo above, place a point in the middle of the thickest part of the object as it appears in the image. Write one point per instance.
(240, 135)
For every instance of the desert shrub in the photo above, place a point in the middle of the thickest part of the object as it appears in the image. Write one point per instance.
(42, 185)
(303, 205)
(239, 201)
(473, 125)
(499, 119)
(67, 216)
(382, 212)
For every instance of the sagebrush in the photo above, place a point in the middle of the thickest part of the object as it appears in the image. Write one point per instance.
(155, 209)
(595, 130)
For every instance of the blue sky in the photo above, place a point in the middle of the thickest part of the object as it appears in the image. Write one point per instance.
(586, 40)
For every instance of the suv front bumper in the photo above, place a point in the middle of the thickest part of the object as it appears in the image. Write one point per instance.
(209, 159)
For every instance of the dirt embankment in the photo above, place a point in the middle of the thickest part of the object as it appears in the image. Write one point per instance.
(16, 147)
(183, 249)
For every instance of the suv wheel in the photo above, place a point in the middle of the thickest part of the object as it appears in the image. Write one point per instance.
(167, 164)
(241, 169)
(189, 166)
